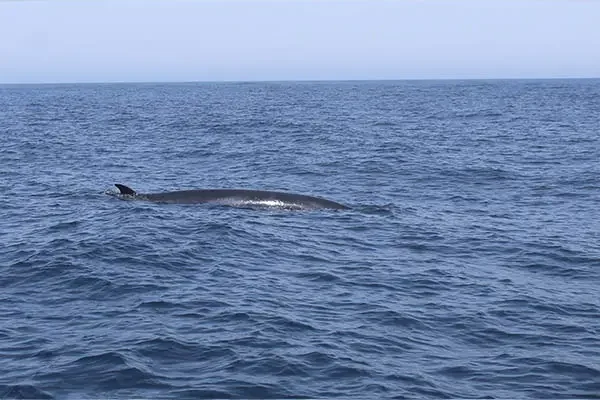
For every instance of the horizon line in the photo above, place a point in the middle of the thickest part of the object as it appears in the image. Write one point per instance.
(109, 82)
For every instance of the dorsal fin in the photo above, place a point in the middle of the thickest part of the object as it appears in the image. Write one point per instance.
(125, 189)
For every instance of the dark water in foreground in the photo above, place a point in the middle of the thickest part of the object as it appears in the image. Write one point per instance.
(468, 266)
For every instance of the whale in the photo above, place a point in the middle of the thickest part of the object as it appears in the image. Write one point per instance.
(236, 198)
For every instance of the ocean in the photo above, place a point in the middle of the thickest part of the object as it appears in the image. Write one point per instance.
(468, 264)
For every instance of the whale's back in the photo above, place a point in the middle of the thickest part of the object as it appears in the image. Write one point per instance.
(236, 197)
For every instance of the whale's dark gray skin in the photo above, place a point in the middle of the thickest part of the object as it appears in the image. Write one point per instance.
(236, 197)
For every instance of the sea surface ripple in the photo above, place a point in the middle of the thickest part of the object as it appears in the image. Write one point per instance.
(468, 265)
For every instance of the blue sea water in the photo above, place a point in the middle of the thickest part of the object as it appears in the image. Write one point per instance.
(468, 265)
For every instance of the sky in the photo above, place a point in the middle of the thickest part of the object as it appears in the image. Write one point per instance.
(54, 41)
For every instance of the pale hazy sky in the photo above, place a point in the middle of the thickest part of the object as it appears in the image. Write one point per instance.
(213, 40)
